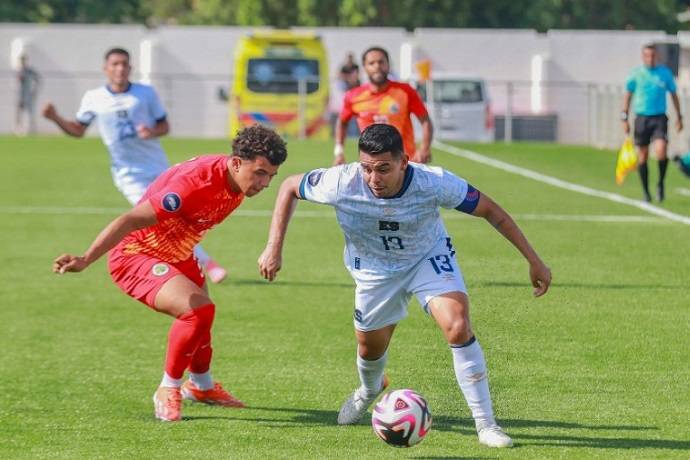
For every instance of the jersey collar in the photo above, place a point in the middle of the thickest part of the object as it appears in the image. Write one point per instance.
(110, 90)
(409, 172)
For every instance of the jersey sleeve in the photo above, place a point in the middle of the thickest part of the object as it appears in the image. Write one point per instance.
(670, 82)
(346, 112)
(456, 193)
(87, 112)
(156, 107)
(321, 185)
(174, 200)
(631, 82)
(416, 104)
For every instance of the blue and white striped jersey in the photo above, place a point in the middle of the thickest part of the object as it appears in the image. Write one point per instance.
(384, 236)
(118, 115)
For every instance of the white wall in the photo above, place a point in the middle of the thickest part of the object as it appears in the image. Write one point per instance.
(190, 63)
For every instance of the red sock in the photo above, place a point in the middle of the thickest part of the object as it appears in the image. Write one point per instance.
(183, 339)
(201, 361)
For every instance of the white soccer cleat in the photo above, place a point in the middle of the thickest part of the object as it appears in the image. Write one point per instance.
(354, 408)
(494, 436)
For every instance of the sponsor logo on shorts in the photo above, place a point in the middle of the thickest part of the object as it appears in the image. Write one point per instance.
(314, 177)
(171, 202)
(358, 315)
(160, 269)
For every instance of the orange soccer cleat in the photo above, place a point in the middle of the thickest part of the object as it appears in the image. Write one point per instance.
(216, 396)
(167, 403)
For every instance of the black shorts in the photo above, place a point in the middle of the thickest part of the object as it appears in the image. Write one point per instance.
(649, 128)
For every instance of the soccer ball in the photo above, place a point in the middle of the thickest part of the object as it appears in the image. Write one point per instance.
(401, 418)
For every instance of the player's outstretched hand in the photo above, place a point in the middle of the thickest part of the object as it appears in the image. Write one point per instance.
(49, 111)
(69, 263)
(540, 275)
(270, 263)
(144, 132)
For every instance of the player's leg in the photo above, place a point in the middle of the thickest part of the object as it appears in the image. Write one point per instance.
(439, 286)
(659, 138)
(451, 312)
(216, 273)
(193, 311)
(372, 356)
(642, 138)
(379, 306)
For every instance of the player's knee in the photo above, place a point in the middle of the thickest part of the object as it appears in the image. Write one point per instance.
(458, 331)
(205, 315)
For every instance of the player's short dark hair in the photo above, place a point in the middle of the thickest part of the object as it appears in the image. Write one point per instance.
(258, 140)
(649, 46)
(375, 48)
(381, 138)
(112, 51)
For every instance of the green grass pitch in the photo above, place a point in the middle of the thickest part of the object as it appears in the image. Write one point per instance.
(598, 368)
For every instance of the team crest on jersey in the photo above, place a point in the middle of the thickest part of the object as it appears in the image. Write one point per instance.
(171, 202)
(314, 177)
(160, 269)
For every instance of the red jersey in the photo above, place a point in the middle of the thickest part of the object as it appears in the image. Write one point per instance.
(392, 106)
(189, 199)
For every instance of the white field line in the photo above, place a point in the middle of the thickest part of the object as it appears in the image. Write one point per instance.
(46, 210)
(683, 191)
(647, 207)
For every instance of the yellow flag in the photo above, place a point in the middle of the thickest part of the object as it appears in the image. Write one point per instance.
(627, 160)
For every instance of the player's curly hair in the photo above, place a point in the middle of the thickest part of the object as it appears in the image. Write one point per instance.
(381, 138)
(259, 140)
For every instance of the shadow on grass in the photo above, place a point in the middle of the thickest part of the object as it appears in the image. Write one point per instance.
(279, 283)
(465, 426)
(636, 286)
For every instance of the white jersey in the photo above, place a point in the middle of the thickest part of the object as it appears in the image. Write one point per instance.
(118, 114)
(384, 236)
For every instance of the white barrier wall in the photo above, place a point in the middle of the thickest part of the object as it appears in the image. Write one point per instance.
(188, 64)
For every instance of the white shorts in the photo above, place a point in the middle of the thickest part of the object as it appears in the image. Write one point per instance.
(133, 189)
(380, 303)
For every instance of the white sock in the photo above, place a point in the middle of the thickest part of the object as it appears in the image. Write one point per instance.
(202, 381)
(470, 371)
(371, 374)
(170, 382)
(201, 255)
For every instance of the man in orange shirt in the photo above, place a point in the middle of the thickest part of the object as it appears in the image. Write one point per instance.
(151, 256)
(384, 101)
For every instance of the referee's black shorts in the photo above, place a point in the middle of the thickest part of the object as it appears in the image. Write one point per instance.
(650, 127)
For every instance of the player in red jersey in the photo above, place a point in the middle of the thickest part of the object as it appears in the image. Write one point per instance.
(152, 256)
(384, 101)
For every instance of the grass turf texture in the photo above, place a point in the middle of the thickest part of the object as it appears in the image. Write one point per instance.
(598, 368)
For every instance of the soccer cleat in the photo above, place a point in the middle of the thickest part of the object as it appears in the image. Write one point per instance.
(493, 436)
(167, 403)
(215, 272)
(647, 197)
(216, 396)
(357, 404)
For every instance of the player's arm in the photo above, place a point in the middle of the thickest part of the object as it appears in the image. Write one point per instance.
(70, 127)
(270, 260)
(161, 128)
(540, 274)
(676, 105)
(344, 118)
(140, 216)
(423, 154)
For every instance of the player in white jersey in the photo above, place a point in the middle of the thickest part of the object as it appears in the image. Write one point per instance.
(396, 247)
(130, 119)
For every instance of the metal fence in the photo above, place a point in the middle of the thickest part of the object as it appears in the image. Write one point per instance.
(578, 113)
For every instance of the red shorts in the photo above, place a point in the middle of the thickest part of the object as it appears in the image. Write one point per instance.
(141, 276)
